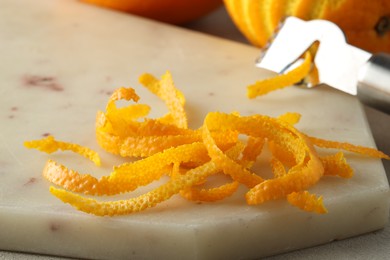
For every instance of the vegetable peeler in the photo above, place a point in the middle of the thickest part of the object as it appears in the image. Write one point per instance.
(339, 64)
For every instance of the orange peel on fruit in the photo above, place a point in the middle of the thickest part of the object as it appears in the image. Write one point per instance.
(188, 157)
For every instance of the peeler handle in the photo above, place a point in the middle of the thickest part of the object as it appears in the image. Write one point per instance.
(374, 82)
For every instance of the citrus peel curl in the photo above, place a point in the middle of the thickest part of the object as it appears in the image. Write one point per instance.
(50, 145)
(306, 201)
(187, 157)
(281, 81)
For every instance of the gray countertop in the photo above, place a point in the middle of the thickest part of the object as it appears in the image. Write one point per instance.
(375, 245)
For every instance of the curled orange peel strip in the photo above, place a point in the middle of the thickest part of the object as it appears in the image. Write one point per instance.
(188, 157)
(281, 81)
(142, 169)
(210, 195)
(50, 145)
(290, 117)
(252, 150)
(60, 175)
(166, 90)
(336, 165)
(277, 167)
(371, 152)
(307, 202)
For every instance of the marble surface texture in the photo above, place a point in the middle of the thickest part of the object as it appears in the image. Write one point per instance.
(31, 59)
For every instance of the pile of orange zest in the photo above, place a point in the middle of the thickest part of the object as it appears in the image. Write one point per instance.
(281, 81)
(188, 157)
(119, 132)
(50, 145)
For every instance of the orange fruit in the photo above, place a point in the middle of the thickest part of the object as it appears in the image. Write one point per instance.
(169, 11)
(366, 24)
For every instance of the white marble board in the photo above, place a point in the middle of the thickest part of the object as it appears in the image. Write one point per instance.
(60, 59)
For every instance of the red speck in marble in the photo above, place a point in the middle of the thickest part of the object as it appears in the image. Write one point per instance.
(31, 181)
(45, 134)
(13, 110)
(211, 94)
(106, 92)
(49, 83)
(54, 227)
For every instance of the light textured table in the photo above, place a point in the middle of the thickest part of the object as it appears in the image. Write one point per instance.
(375, 245)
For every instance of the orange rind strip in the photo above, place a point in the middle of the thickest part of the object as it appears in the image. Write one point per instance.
(210, 195)
(277, 167)
(336, 165)
(291, 118)
(50, 145)
(371, 152)
(307, 202)
(69, 179)
(166, 90)
(281, 81)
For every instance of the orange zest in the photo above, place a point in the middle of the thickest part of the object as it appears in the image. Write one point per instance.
(189, 158)
(50, 145)
(306, 201)
(281, 81)
(349, 147)
(210, 195)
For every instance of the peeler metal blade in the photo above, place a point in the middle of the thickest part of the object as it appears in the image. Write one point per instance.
(339, 64)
